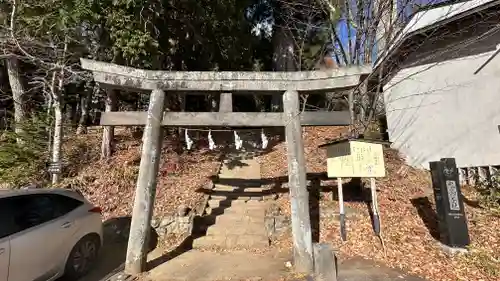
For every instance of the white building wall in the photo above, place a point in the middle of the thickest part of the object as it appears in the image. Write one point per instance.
(443, 110)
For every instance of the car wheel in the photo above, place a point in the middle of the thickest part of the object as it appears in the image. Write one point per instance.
(82, 258)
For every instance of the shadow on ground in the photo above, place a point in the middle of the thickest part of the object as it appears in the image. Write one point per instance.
(114, 250)
(359, 269)
(353, 191)
(183, 247)
(471, 203)
(427, 214)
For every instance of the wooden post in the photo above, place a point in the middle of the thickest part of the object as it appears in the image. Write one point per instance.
(363, 100)
(146, 186)
(182, 107)
(343, 232)
(108, 133)
(325, 262)
(314, 204)
(301, 223)
(226, 102)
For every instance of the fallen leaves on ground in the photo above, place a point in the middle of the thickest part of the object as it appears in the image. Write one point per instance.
(111, 183)
(408, 241)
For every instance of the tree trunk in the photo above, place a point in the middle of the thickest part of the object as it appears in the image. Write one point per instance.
(57, 143)
(49, 102)
(57, 105)
(70, 112)
(84, 112)
(284, 49)
(384, 27)
(384, 31)
(17, 89)
(4, 82)
(108, 134)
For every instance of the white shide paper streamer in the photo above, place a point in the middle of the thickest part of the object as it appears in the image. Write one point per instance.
(211, 143)
(237, 141)
(189, 142)
(264, 140)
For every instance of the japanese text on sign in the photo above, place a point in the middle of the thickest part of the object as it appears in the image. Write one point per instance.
(356, 159)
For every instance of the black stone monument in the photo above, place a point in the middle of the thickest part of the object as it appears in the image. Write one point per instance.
(449, 204)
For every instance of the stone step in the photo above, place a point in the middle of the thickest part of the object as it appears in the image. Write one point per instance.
(250, 172)
(237, 229)
(209, 241)
(218, 207)
(225, 191)
(237, 189)
(240, 182)
(247, 207)
(216, 203)
(231, 241)
(237, 176)
(212, 203)
(235, 197)
(241, 210)
(229, 219)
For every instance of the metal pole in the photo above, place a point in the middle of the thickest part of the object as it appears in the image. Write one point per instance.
(343, 231)
(376, 217)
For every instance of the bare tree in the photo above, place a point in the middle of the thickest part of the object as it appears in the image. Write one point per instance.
(48, 53)
(15, 80)
(108, 133)
(17, 89)
(85, 99)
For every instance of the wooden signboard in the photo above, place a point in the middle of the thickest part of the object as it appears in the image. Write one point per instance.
(54, 168)
(355, 158)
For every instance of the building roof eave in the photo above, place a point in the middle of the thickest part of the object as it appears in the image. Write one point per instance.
(420, 23)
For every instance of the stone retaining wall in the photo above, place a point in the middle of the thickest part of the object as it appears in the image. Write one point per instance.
(179, 223)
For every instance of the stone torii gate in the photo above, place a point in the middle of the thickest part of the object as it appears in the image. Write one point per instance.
(287, 83)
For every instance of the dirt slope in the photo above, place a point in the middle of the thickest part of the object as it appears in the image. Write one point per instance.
(111, 184)
(402, 195)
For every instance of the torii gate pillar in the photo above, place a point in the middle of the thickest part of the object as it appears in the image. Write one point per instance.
(297, 183)
(145, 191)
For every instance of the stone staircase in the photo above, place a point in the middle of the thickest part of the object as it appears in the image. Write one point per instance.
(236, 209)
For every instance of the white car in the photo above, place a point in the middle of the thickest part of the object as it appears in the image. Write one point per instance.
(46, 234)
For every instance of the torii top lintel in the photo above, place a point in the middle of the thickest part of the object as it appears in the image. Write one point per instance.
(228, 81)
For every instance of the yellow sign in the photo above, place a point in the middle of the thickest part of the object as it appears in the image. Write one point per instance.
(355, 159)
